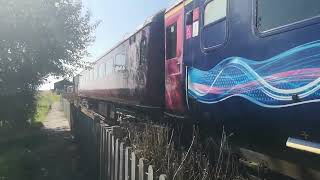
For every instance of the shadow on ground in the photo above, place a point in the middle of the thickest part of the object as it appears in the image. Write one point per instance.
(40, 154)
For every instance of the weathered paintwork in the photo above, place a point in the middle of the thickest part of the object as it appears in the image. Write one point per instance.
(175, 97)
(263, 87)
(132, 72)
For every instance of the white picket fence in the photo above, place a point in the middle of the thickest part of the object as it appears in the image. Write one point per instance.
(103, 151)
(119, 162)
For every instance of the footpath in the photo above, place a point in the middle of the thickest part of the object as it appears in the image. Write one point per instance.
(43, 154)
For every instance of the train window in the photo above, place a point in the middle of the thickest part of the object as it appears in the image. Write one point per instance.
(92, 74)
(120, 62)
(214, 31)
(96, 69)
(143, 50)
(101, 70)
(132, 39)
(171, 41)
(106, 69)
(284, 12)
(215, 11)
(109, 67)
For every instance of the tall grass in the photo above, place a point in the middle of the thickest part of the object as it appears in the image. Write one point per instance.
(202, 160)
(45, 99)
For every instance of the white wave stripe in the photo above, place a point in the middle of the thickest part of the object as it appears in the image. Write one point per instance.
(287, 93)
(274, 89)
(259, 103)
(265, 87)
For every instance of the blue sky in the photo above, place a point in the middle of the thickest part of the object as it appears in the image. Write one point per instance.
(118, 19)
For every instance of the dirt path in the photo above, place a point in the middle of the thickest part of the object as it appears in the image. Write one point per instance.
(64, 160)
(56, 120)
(49, 153)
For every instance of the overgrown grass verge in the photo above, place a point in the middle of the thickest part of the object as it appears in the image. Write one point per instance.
(45, 99)
(39, 155)
(201, 160)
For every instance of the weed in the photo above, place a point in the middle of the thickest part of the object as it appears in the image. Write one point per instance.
(202, 160)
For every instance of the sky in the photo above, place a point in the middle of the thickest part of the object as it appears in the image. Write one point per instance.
(118, 18)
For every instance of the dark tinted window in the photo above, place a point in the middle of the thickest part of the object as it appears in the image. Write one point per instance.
(277, 13)
(214, 11)
(143, 50)
(171, 44)
(214, 31)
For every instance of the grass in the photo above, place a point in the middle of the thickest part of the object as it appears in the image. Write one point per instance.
(44, 101)
(40, 155)
(37, 154)
(14, 161)
(202, 160)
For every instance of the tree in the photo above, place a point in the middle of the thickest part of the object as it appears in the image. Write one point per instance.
(39, 38)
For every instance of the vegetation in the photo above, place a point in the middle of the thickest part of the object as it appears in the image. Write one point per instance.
(201, 160)
(38, 39)
(37, 155)
(45, 99)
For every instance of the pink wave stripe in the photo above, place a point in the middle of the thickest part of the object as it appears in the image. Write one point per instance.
(296, 75)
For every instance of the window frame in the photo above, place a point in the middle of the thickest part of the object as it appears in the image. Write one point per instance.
(166, 28)
(143, 38)
(96, 69)
(92, 74)
(125, 62)
(112, 68)
(280, 29)
(203, 27)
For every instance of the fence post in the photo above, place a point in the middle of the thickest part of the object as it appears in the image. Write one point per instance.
(121, 162)
(163, 177)
(133, 166)
(150, 173)
(116, 168)
(101, 153)
(141, 168)
(127, 165)
(109, 155)
(104, 153)
(96, 124)
(112, 156)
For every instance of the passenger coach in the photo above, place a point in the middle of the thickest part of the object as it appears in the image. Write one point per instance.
(131, 73)
(253, 67)
(249, 67)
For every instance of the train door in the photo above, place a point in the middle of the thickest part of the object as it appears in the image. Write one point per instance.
(174, 21)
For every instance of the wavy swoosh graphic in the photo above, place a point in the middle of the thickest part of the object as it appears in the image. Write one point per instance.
(270, 83)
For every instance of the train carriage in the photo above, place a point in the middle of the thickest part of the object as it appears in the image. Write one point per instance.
(251, 66)
(131, 73)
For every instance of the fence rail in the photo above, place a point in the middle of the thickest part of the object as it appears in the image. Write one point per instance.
(102, 149)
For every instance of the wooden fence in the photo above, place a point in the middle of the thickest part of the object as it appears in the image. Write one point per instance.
(103, 151)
